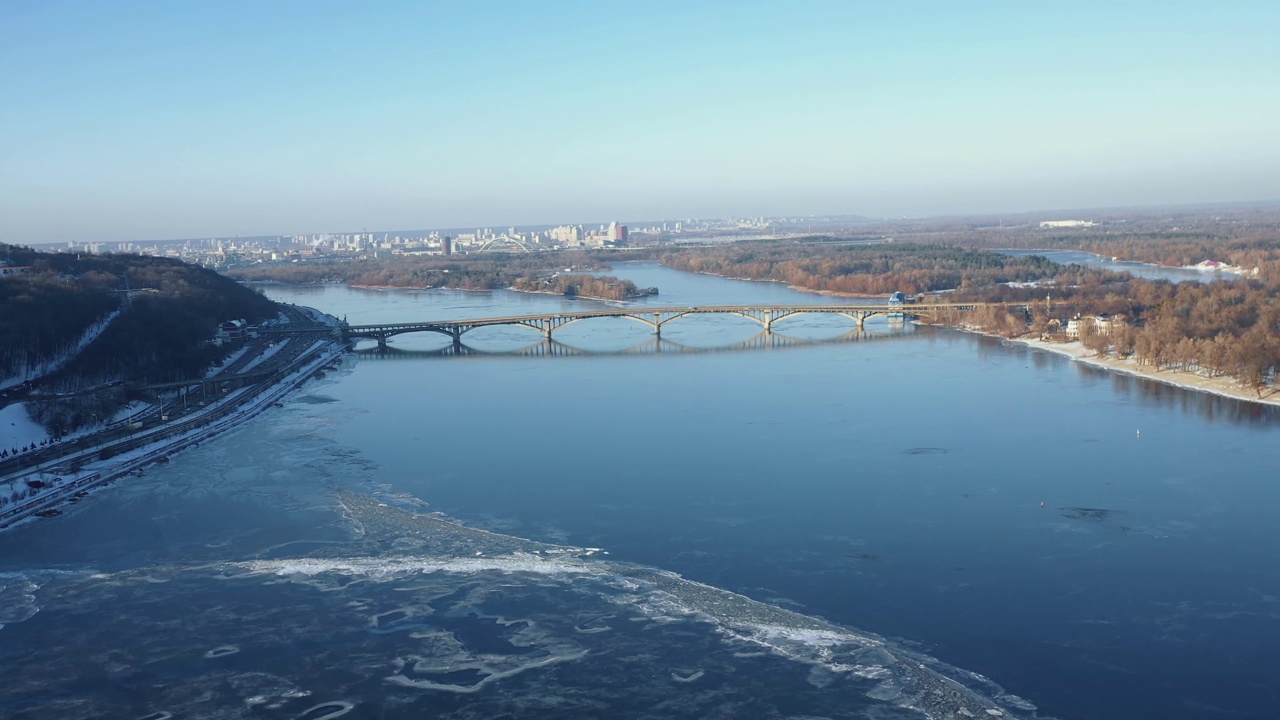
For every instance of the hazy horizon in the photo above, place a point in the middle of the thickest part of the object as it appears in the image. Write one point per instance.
(1030, 216)
(136, 121)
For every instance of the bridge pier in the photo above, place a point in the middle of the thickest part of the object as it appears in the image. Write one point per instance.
(456, 334)
(657, 324)
(382, 342)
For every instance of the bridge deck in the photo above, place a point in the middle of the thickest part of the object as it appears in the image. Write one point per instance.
(654, 317)
(908, 309)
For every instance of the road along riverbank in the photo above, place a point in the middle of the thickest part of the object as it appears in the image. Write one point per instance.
(88, 469)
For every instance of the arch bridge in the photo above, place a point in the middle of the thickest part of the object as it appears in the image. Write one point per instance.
(505, 243)
(654, 345)
(657, 318)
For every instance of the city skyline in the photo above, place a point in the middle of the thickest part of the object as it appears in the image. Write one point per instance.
(140, 121)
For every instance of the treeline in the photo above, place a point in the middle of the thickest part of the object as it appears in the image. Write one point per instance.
(1246, 237)
(1246, 248)
(1222, 328)
(526, 272)
(161, 331)
(860, 269)
(479, 272)
(602, 287)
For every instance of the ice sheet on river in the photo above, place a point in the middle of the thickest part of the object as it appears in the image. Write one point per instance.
(420, 616)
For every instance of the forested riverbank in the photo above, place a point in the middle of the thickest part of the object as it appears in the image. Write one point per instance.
(560, 273)
(85, 319)
(1223, 328)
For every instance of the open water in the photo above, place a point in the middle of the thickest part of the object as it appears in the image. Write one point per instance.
(1136, 269)
(899, 523)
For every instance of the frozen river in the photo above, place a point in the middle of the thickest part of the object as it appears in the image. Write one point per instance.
(839, 525)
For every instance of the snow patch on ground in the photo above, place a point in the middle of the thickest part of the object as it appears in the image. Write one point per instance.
(317, 316)
(18, 429)
(226, 363)
(264, 355)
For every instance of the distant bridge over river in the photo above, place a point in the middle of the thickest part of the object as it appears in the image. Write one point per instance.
(656, 318)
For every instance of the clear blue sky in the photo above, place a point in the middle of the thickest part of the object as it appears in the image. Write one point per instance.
(138, 120)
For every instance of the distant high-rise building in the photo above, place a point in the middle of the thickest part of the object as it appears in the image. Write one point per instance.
(568, 234)
(617, 233)
(446, 245)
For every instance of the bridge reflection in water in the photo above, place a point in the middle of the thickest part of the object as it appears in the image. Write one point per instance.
(653, 345)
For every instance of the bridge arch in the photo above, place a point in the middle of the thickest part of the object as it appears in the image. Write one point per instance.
(382, 337)
(636, 317)
(499, 243)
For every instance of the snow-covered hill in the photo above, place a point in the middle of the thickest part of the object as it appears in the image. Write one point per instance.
(44, 368)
